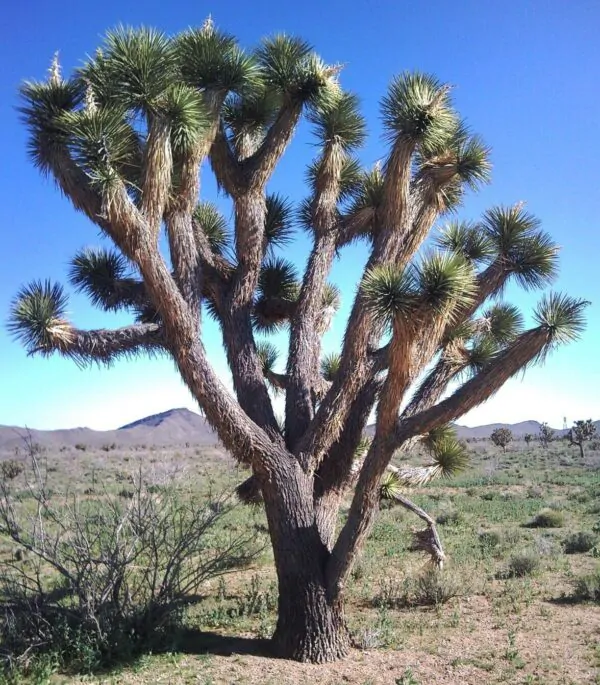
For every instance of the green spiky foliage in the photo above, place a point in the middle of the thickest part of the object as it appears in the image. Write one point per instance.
(129, 138)
(213, 224)
(330, 365)
(293, 70)
(279, 223)
(562, 316)
(212, 60)
(528, 251)
(417, 108)
(466, 238)
(277, 289)
(105, 277)
(43, 105)
(390, 486)
(38, 317)
(340, 122)
(268, 355)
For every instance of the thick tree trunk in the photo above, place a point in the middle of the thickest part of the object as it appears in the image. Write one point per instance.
(310, 626)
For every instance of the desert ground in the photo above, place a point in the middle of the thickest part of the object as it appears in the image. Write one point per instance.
(509, 608)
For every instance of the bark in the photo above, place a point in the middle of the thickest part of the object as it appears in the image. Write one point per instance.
(311, 626)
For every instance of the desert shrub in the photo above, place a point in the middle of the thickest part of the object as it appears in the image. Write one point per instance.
(107, 577)
(81, 447)
(547, 518)
(449, 518)
(432, 588)
(579, 543)
(489, 540)
(522, 564)
(11, 469)
(588, 587)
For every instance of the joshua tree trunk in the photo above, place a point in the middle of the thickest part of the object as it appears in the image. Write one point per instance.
(198, 97)
(310, 626)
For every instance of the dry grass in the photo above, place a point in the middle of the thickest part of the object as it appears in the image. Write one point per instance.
(498, 629)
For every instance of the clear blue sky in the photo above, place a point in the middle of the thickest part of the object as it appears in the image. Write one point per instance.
(525, 76)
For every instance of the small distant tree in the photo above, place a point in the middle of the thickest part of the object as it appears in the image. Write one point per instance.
(546, 435)
(580, 433)
(528, 438)
(501, 437)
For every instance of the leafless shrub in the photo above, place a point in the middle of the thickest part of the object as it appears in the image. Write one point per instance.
(109, 570)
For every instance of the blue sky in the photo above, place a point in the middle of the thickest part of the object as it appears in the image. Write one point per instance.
(524, 75)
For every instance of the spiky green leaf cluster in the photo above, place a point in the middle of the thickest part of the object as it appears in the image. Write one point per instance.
(268, 355)
(389, 292)
(390, 485)
(134, 69)
(277, 288)
(105, 277)
(417, 109)
(291, 68)
(279, 222)
(213, 224)
(528, 251)
(562, 316)
(445, 279)
(100, 142)
(248, 116)
(466, 238)
(339, 122)
(37, 316)
(42, 110)
(502, 323)
(330, 365)
(212, 60)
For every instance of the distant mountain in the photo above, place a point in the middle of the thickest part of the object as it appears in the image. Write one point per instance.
(181, 426)
(173, 427)
(518, 430)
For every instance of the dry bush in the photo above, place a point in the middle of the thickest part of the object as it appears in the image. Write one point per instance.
(104, 576)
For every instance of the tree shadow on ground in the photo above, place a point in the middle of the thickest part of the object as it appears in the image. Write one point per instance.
(193, 641)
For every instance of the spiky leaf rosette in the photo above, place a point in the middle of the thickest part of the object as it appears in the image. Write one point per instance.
(448, 457)
(187, 116)
(42, 109)
(268, 355)
(481, 352)
(390, 486)
(247, 118)
(461, 157)
(133, 70)
(105, 277)
(529, 252)
(562, 317)
(390, 292)
(445, 280)
(330, 365)
(502, 323)
(37, 317)
(101, 142)
(210, 59)
(277, 290)
(213, 224)
(466, 238)
(291, 68)
(279, 222)
(339, 122)
(417, 109)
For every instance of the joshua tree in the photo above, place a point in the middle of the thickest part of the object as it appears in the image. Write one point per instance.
(528, 438)
(501, 437)
(546, 435)
(125, 139)
(581, 432)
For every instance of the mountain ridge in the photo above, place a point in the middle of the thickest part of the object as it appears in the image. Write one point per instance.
(180, 425)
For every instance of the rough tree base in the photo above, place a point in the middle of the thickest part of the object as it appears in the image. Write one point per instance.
(313, 632)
